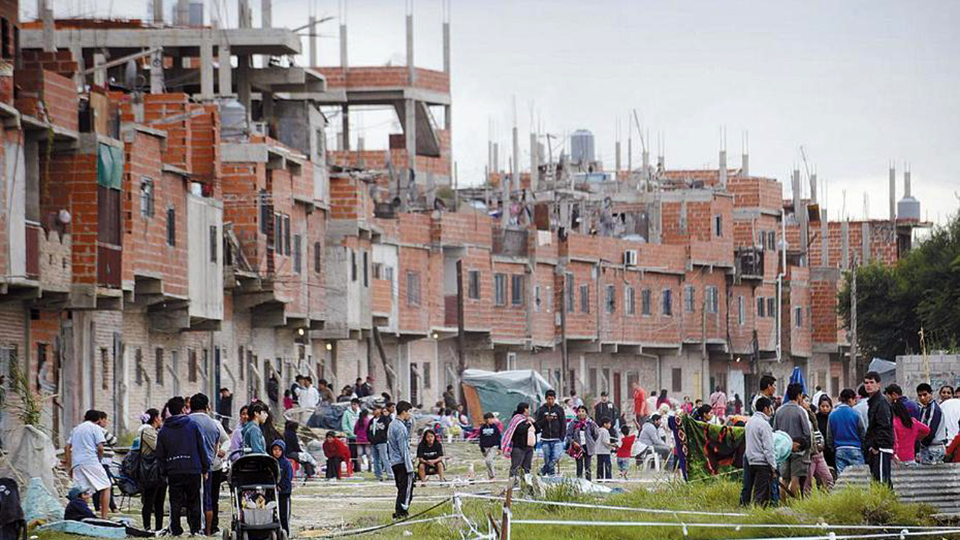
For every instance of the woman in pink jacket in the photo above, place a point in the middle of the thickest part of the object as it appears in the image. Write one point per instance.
(906, 432)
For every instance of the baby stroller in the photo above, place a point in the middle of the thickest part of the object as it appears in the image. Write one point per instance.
(253, 496)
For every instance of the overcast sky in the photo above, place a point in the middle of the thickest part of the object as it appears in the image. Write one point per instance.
(856, 83)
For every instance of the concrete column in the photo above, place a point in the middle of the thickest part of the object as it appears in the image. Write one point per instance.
(226, 69)
(893, 195)
(49, 34)
(446, 47)
(76, 51)
(243, 82)
(100, 75)
(534, 163)
(496, 157)
(516, 159)
(629, 154)
(157, 11)
(824, 239)
(906, 184)
(312, 40)
(243, 11)
(410, 63)
(865, 241)
(617, 152)
(343, 47)
(266, 13)
(206, 65)
(745, 164)
(183, 12)
(410, 132)
(266, 100)
(345, 131)
(723, 169)
(813, 188)
(845, 244)
(156, 72)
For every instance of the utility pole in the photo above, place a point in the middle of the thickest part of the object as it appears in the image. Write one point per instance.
(461, 364)
(704, 359)
(564, 354)
(853, 321)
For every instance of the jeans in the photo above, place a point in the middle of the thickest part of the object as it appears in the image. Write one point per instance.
(930, 455)
(583, 465)
(846, 456)
(364, 449)
(185, 492)
(380, 464)
(552, 450)
(603, 467)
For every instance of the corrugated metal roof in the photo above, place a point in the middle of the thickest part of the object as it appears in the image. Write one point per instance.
(935, 485)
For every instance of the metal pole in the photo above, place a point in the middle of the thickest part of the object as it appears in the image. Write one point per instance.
(461, 342)
(853, 321)
(564, 353)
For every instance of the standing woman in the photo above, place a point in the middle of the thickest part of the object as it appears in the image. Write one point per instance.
(519, 440)
(824, 408)
(363, 439)
(154, 493)
(662, 398)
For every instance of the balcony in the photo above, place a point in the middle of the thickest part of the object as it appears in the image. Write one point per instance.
(450, 318)
(33, 232)
(749, 263)
(510, 242)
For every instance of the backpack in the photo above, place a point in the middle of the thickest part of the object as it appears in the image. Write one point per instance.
(130, 466)
(141, 471)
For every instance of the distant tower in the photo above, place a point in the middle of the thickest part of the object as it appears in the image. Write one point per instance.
(581, 147)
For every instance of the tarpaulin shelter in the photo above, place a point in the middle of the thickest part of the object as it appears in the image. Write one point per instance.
(501, 392)
(885, 368)
(797, 378)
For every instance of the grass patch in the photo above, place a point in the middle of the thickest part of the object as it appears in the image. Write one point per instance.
(875, 506)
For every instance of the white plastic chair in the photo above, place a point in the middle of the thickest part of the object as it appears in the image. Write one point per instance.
(648, 454)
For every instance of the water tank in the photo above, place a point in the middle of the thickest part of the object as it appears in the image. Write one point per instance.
(581, 147)
(233, 119)
(908, 208)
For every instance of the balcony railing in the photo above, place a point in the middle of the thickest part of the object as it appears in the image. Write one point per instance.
(749, 262)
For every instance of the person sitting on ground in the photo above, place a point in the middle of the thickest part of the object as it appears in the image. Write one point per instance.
(336, 452)
(625, 450)
(77, 508)
(430, 456)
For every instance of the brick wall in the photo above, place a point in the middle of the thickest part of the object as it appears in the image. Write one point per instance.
(69, 181)
(509, 321)
(171, 113)
(47, 96)
(59, 62)
(205, 147)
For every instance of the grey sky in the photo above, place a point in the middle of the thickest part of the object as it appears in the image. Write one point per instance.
(857, 83)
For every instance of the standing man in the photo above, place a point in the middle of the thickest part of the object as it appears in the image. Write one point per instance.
(878, 442)
(759, 454)
(896, 394)
(214, 437)
(225, 407)
(951, 416)
(639, 404)
(553, 429)
(792, 418)
(82, 458)
(449, 399)
(368, 386)
(309, 396)
(605, 409)
(398, 447)
(845, 432)
(377, 433)
(768, 389)
(933, 446)
(184, 462)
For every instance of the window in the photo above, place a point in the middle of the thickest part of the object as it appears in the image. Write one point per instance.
(146, 197)
(740, 311)
(713, 299)
(630, 300)
(138, 366)
(213, 243)
(798, 315)
(286, 234)
(516, 290)
(240, 361)
(158, 371)
(537, 300)
(175, 371)
(760, 307)
(104, 368)
(500, 289)
(677, 379)
(426, 375)
(388, 274)
(171, 226)
(585, 299)
(667, 302)
(771, 307)
(278, 233)
(317, 256)
(296, 254)
(265, 212)
(473, 284)
(718, 226)
(353, 265)
(366, 269)
(689, 298)
(571, 302)
(645, 301)
(772, 240)
(413, 288)
(192, 365)
(610, 300)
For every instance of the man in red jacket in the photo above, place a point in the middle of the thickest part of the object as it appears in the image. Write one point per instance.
(336, 452)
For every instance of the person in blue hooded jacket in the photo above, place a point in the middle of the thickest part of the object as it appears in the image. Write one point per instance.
(184, 462)
(285, 486)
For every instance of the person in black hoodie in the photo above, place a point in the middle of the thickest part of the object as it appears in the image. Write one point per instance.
(183, 461)
(878, 442)
(377, 433)
(285, 485)
(294, 451)
(552, 423)
(489, 442)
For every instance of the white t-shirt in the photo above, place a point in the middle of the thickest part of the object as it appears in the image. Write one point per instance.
(309, 397)
(951, 417)
(84, 440)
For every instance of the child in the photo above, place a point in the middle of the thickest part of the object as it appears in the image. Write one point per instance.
(337, 452)
(604, 448)
(285, 485)
(363, 438)
(77, 509)
(625, 451)
(489, 442)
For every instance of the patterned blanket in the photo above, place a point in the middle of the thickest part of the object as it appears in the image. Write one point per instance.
(705, 449)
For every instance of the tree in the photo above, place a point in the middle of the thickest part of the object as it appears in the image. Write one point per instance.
(921, 291)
